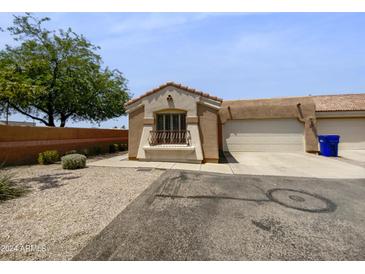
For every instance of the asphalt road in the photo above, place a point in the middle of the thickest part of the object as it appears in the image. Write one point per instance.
(204, 216)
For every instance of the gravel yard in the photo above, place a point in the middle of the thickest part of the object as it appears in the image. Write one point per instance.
(65, 209)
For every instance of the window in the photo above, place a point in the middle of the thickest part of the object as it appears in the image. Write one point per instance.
(171, 121)
(170, 129)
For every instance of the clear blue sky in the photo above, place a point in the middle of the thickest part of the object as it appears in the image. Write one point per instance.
(230, 55)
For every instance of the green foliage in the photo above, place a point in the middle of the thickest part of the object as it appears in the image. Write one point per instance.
(92, 151)
(73, 161)
(118, 147)
(113, 148)
(7, 188)
(85, 152)
(48, 157)
(57, 76)
(96, 150)
(123, 147)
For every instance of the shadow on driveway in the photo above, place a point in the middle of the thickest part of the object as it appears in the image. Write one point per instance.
(204, 216)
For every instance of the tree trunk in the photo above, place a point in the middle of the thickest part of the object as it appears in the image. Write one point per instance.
(51, 121)
(63, 120)
(50, 103)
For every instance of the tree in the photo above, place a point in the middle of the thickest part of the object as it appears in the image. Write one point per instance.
(57, 76)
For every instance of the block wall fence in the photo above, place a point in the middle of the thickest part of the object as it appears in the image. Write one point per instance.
(21, 144)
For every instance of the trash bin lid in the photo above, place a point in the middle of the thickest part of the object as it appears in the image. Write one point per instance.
(329, 138)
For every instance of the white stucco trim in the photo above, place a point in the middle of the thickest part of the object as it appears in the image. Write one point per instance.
(133, 107)
(210, 103)
(144, 141)
(169, 147)
(195, 140)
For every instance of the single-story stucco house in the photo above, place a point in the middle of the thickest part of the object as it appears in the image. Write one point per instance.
(178, 123)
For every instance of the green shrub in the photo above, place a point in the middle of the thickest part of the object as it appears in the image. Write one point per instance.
(96, 150)
(48, 157)
(7, 188)
(73, 161)
(113, 148)
(123, 147)
(84, 151)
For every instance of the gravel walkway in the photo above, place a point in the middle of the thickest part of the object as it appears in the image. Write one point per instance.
(65, 209)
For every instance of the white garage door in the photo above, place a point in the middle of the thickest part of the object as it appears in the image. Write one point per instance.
(352, 131)
(271, 135)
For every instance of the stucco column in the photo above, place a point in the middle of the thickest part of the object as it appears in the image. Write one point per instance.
(310, 135)
(195, 140)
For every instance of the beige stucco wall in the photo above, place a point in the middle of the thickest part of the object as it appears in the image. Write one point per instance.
(208, 127)
(181, 100)
(135, 131)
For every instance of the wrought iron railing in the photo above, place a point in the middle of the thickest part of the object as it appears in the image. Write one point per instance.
(159, 137)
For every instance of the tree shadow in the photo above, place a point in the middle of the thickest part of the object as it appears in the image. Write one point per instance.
(49, 181)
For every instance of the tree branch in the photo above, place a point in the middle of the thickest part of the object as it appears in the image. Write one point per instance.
(40, 108)
(29, 115)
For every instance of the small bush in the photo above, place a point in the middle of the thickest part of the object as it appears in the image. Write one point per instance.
(94, 151)
(84, 151)
(7, 188)
(48, 157)
(73, 161)
(123, 147)
(113, 148)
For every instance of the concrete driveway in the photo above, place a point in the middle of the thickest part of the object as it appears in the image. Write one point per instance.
(296, 164)
(261, 163)
(205, 216)
(355, 157)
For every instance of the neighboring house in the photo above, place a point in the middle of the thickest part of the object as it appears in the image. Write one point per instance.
(178, 123)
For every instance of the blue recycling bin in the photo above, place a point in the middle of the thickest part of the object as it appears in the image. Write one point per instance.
(329, 145)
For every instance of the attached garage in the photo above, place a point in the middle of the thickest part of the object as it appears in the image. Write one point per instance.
(351, 130)
(271, 135)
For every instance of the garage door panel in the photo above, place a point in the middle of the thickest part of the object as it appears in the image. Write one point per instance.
(264, 147)
(351, 131)
(260, 139)
(263, 135)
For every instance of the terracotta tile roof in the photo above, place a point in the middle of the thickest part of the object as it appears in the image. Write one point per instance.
(179, 86)
(343, 102)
